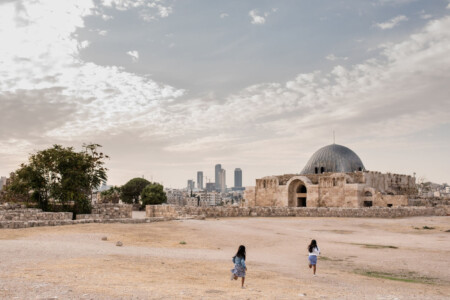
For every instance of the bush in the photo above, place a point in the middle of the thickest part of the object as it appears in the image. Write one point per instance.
(153, 194)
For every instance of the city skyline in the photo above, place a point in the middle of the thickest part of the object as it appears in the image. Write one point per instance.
(172, 87)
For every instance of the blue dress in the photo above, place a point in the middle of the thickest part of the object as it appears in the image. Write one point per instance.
(239, 266)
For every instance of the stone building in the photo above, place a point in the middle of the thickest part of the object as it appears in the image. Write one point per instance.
(333, 177)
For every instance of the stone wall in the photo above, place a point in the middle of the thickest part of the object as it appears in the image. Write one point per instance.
(108, 211)
(31, 217)
(164, 211)
(258, 211)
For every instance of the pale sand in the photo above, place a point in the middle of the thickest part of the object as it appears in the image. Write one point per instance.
(72, 262)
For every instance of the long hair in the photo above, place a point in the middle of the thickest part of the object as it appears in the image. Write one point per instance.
(241, 252)
(312, 246)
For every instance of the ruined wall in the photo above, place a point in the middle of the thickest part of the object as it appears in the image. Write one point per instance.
(372, 212)
(162, 211)
(108, 211)
(394, 184)
(268, 192)
(390, 200)
(249, 196)
(13, 217)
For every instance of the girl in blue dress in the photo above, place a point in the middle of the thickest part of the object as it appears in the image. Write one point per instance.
(239, 265)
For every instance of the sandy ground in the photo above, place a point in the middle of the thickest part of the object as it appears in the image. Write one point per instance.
(361, 259)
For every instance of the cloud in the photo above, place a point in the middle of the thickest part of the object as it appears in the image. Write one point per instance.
(392, 22)
(224, 15)
(256, 19)
(148, 10)
(379, 98)
(40, 56)
(134, 55)
(333, 57)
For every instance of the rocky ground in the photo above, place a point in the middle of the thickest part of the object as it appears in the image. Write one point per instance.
(361, 259)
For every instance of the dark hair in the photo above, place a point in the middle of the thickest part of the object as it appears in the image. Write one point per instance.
(241, 252)
(312, 245)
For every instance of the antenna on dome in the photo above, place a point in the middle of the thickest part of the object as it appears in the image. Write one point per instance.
(334, 138)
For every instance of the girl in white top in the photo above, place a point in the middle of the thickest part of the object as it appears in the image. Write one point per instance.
(314, 251)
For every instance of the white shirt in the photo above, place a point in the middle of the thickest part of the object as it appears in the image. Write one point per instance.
(316, 251)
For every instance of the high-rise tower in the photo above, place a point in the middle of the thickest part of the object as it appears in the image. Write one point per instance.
(237, 178)
(200, 180)
(217, 176)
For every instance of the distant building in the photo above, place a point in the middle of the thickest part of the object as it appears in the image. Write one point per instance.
(237, 180)
(223, 181)
(210, 199)
(217, 170)
(190, 185)
(210, 186)
(200, 180)
(175, 197)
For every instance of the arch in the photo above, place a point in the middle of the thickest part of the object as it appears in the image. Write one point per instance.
(298, 191)
(322, 170)
(367, 194)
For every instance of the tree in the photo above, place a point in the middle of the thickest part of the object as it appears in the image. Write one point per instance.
(153, 194)
(111, 196)
(131, 191)
(59, 178)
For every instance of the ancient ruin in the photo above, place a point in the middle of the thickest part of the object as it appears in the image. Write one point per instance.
(333, 177)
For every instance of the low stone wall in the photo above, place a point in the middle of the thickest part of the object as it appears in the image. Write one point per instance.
(33, 214)
(164, 211)
(428, 201)
(109, 211)
(26, 224)
(370, 212)
(22, 218)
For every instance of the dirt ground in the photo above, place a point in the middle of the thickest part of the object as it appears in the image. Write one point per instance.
(191, 259)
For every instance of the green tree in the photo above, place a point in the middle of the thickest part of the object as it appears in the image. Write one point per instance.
(153, 194)
(112, 195)
(59, 178)
(131, 191)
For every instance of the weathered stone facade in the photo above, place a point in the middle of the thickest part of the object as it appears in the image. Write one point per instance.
(356, 189)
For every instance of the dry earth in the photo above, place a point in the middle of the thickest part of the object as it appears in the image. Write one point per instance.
(361, 259)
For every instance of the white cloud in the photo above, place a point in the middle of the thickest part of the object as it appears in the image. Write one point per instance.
(149, 9)
(134, 55)
(224, 15)
(40, 56)
(379, 98)
(392, 22)
(333, 57)
(83, 44)
(256, 19)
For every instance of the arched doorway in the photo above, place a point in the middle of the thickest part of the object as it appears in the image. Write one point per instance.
(301, 195)
(297, 193)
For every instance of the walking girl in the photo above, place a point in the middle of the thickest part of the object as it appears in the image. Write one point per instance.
(239, 265)
(314, 251)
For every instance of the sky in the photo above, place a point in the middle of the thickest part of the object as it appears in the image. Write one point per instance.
(172, 87)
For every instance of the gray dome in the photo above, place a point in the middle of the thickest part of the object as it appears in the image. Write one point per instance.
(333, 158)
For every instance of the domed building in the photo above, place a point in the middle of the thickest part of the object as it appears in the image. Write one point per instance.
(335, 159)
(334, 176)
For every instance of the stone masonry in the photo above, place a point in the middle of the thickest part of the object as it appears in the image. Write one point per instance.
(259, 211)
